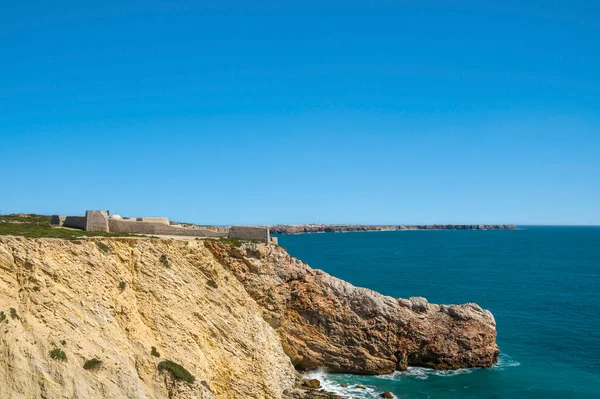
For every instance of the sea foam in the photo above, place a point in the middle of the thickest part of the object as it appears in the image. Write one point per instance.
(504, 362)
(419, 373)
(349, 391)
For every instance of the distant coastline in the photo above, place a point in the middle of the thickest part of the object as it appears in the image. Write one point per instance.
(340, 228)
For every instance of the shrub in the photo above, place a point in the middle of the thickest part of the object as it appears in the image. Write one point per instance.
(154, 352)
(122, 285)
(13, 313)
(2, 317)
(232, 242)
(92, 364)
(58, 354)
(164, 260)
(103, 247)
(177, 370)
(212, 283)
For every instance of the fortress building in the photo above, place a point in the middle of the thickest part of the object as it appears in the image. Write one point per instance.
(102, 222)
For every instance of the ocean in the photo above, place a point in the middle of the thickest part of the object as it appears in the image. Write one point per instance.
(541, 283)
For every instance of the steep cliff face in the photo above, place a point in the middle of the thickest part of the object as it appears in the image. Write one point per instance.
(116, 298)
(237, 318)
(326, 322)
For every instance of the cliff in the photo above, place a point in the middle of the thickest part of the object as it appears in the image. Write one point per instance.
(237, 318)
(70, 296)
(326, 322)
(334, 228)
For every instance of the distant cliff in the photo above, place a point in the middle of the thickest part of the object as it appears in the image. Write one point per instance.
(333, 228)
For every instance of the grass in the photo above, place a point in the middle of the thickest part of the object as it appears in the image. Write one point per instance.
(154, 352)
(92, 364)
(178, 371)
(58, 354)
(37, 226)
(232, 242)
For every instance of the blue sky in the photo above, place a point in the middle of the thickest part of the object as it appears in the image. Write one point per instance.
(224, 112)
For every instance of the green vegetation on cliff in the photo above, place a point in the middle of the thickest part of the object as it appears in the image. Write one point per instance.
(179, 372)
(92, 364)
(36, 226)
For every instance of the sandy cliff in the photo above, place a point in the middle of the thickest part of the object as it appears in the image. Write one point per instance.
(238, 319)
(67, 296)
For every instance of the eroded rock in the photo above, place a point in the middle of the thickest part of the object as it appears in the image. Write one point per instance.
(312, 383)
(326, 322)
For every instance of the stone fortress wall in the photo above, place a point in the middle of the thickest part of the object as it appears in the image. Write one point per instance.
(250, 233)
(102, 222)
(158, 228)
(96, 221)
(76, 222)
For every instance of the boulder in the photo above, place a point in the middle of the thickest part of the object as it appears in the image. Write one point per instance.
(312, 383)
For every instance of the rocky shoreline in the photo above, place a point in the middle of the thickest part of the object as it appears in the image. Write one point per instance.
(335, 228)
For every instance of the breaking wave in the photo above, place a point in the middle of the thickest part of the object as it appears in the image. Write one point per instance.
(504, 362)
(355, 389)
(345, 390)
(422, 373)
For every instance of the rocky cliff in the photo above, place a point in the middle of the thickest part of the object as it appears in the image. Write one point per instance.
(326, 322)
(237, 318)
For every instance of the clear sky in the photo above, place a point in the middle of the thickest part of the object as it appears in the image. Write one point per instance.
(255, 112)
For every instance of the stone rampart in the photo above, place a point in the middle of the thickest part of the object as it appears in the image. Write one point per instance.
(57, 220)
(157, 228)
(96, 221)
(76, 222)
(153, 220)
(250, 233)
(99, 221)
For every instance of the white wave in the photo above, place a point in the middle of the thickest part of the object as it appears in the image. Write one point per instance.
(422, 373)
(504, 362)
(349, 391)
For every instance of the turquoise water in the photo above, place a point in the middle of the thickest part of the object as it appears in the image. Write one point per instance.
(541, 283)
